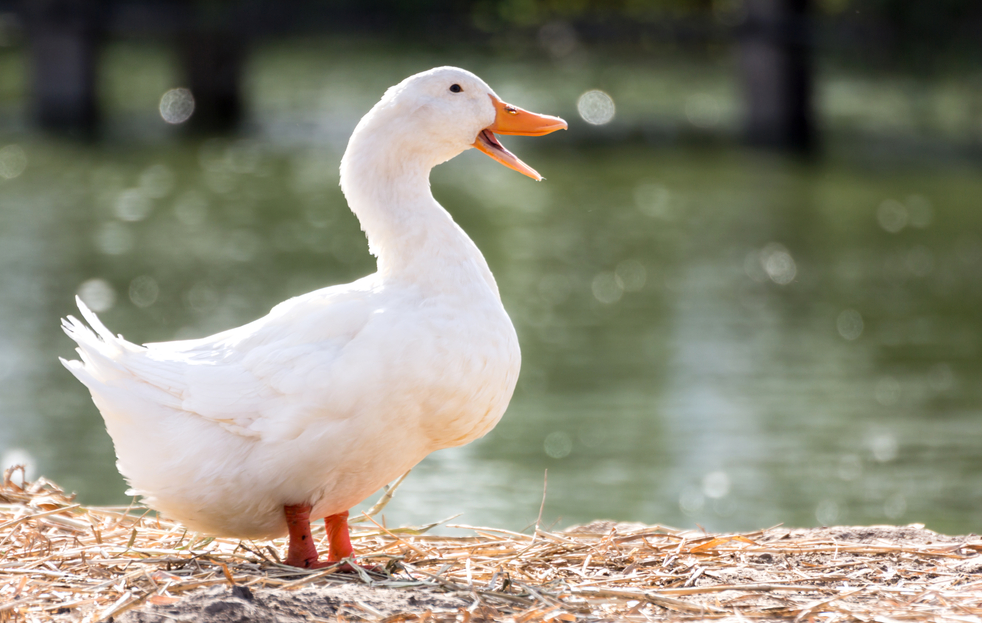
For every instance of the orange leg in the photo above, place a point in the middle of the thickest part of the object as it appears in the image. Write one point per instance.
(302, 552)
(337, 537)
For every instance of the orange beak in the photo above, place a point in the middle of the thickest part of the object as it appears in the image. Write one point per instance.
(513, 120)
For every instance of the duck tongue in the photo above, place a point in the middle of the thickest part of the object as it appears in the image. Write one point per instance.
(488, 143)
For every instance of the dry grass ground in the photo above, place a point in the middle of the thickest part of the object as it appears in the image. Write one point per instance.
(60, 560)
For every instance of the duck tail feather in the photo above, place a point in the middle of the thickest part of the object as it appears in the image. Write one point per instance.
(93, 320)
(99, 350)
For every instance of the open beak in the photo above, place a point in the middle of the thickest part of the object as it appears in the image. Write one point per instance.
(513, 120)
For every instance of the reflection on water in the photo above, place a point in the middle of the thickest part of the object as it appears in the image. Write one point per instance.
(709, 337)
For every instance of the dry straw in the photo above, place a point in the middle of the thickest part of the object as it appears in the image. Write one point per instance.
(60, 559)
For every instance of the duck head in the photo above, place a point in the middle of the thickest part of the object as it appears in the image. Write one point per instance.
(435, 115)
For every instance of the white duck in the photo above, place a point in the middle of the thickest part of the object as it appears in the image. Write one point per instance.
(302, 414)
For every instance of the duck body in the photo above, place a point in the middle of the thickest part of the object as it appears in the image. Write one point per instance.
(221, 433)
(337, 392)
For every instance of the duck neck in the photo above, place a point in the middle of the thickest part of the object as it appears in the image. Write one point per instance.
(409, 233)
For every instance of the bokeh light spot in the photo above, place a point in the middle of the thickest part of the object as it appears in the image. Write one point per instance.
(144, 291)
(98, 294)
(827, 512)
(773, 262)
(884, 446)
(558, 445)
(606, 289)
(778, 264)
(703, 111)
(132, 205)
(596, 107)
(716, 484)
(177, 105)
(850, 324)
(892, 215)
(13, 161)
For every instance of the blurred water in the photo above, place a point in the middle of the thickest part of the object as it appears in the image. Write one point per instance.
(709, 336)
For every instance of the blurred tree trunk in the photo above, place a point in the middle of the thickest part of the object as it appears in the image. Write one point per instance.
(775, 45)
(212, 60)
(64, 37)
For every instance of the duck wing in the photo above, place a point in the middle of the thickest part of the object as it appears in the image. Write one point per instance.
(267, 379)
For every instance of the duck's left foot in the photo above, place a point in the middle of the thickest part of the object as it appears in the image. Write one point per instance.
(303, 553)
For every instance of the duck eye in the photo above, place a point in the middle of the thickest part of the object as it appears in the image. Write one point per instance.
(455, 88)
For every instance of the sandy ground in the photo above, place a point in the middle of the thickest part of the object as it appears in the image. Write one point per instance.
(220, 604)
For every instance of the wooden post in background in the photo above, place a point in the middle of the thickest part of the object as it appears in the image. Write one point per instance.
(775, 45)
(212, 51)
(212, 61)
(64, 40)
